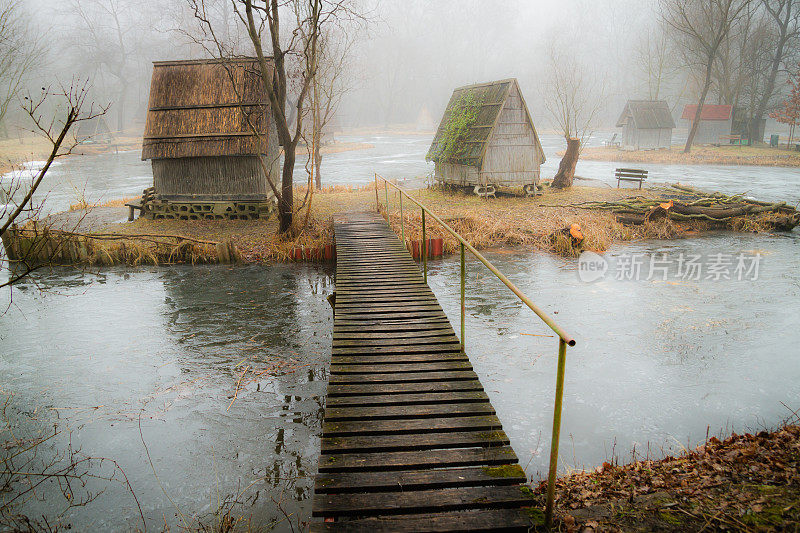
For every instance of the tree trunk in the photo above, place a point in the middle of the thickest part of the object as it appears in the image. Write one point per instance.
(700, 104)
(777, 59)
(317, 164)
(286, 201)
(566, 168)
(123, 96)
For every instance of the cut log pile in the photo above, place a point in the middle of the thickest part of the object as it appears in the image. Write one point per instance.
(683, 203)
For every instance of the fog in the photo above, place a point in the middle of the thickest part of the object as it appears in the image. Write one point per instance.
(406, 57)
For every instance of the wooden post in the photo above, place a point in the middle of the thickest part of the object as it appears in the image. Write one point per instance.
(402, 221)
(463, 302)
(377, 205)
(386, 190)
(424, 250)
(551, 478)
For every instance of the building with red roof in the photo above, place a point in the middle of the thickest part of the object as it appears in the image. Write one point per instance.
(715, 121)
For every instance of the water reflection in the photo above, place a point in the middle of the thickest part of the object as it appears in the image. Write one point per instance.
(656, 362)
(172, 346)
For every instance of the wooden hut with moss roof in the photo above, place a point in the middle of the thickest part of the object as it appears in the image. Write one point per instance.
(487, 139)
(211, 140)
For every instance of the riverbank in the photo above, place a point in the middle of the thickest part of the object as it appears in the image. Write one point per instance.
(18, 151)
(604, 216)
(742, 483)
(700, 155)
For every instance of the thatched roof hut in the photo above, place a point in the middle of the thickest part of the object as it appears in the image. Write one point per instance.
(487, 138)
(646, 125)
(208, 122)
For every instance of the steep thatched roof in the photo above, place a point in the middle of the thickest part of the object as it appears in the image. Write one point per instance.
(490, 97)
(201, 107)
(647, 114)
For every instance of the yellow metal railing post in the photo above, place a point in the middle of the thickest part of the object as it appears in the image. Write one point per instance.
(551, 478)
(402, 221)
(377, 204)
(424, 249)
(463, 302)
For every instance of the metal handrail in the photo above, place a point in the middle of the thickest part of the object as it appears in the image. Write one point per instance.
(564, 339)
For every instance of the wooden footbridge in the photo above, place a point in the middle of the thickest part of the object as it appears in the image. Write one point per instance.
(410, 441)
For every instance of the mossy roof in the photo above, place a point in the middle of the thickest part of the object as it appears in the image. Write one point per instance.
(491, 95)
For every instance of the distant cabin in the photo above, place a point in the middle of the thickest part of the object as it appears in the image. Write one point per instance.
(500, 147)
(646, 125)
(715, 121)
(207, 123)
(94, 130)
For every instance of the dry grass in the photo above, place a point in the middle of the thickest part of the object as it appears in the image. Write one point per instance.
(117, 202)
(258, 240)
(700, 155)
(504, 221)
(37, 244)
(515, 221)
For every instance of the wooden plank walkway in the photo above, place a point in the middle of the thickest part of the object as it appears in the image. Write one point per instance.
(410, 441)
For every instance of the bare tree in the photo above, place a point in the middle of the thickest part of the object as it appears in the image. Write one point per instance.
(574, 100)
(287, 68)
(111, 35)
(785, 16)
(20, 207)
(654, 60)
(700, 27)
(20, 51)
(328, 87)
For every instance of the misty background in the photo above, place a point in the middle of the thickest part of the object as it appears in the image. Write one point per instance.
(404, 62)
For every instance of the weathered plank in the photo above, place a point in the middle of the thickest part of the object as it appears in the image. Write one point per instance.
(413, 425)
(337, 482)
(405, 377)
(483, 520)
(429, 387)
(422, 501)
(432, 366)
(397, 348)
(408, 399)
(400, 358)
(383, 412)
(415, 460)
(389, 443)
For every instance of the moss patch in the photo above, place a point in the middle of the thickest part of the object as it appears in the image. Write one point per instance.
(504, 471)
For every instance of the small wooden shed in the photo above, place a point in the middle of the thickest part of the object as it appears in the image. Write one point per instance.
(715, 121)
(496, 144)
(94, 130)
(646, 125)
(207, 124)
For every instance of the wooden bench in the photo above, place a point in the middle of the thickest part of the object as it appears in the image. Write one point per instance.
(630, 174)
(147, 195)
(612, 142)
(732, 139)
